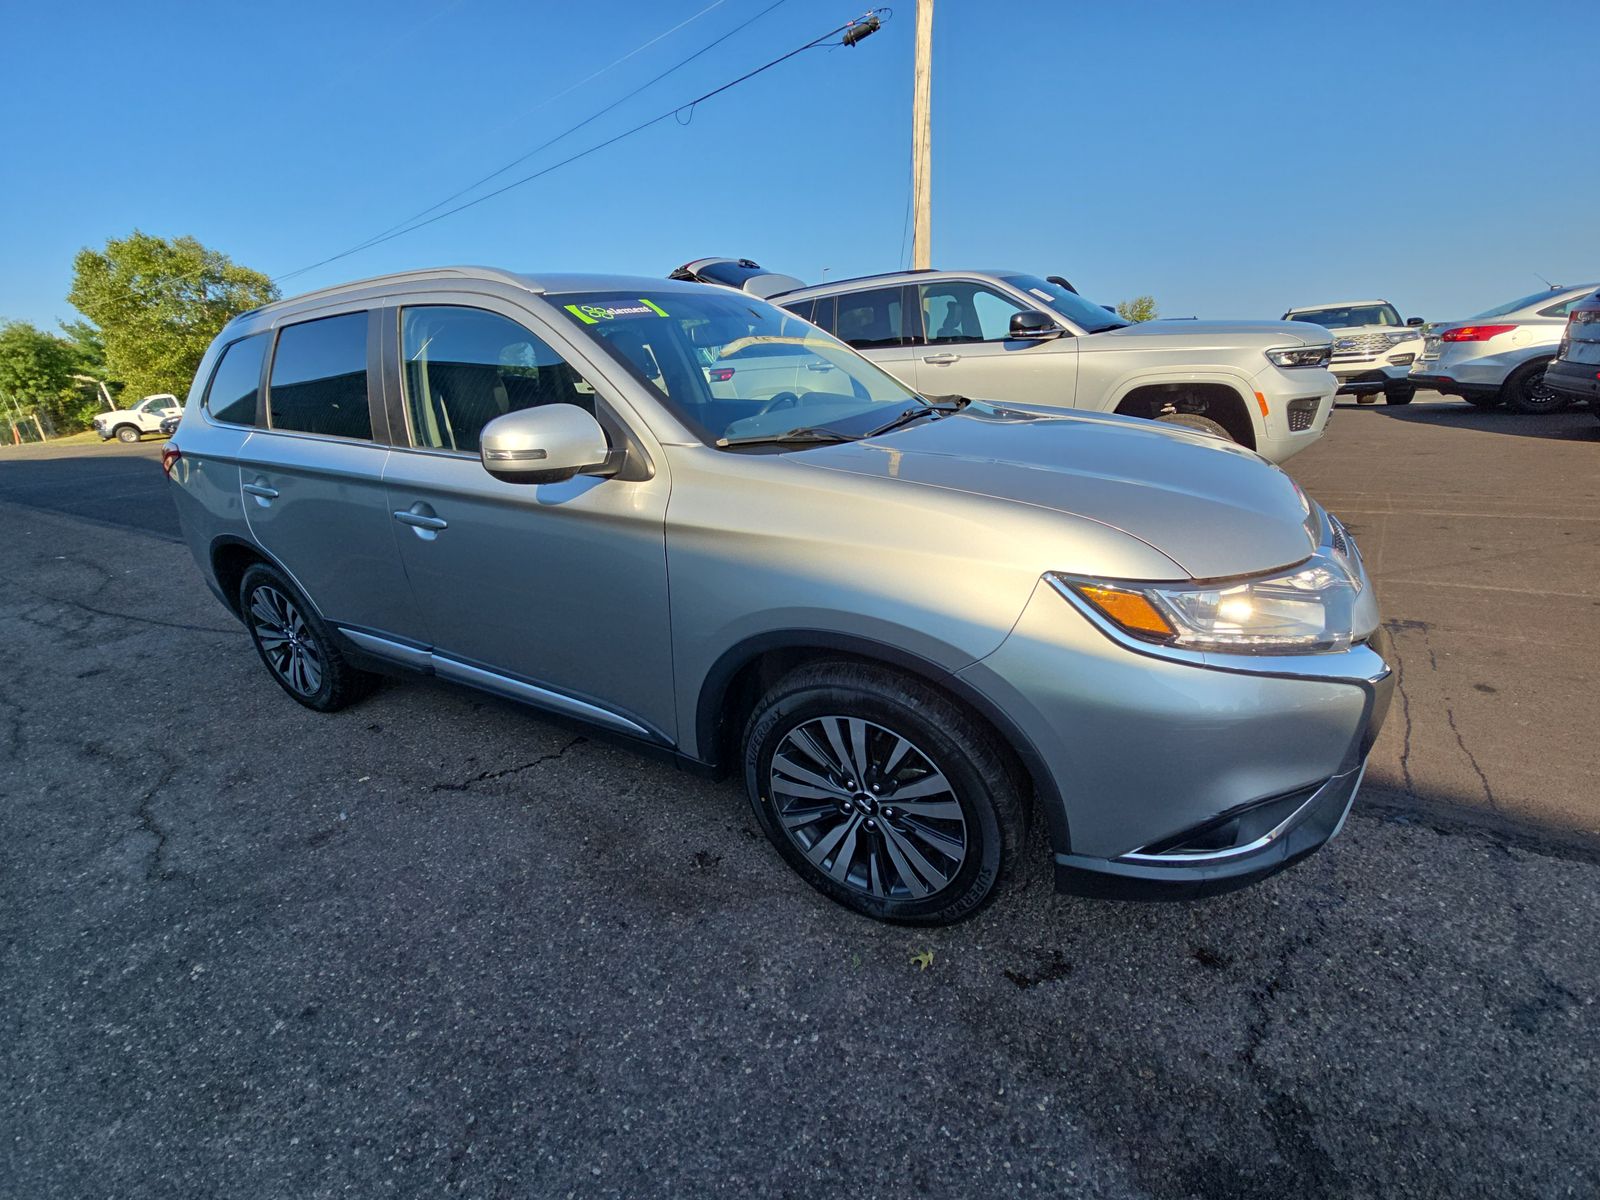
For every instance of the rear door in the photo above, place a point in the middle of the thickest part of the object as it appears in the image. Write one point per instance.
(968, 350)
(880, 322)
(312, 481)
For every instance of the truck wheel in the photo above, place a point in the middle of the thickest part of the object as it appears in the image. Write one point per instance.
(1525, 390)
(127, 433)
(1198, 423)
(882, 793)
(1399, 393)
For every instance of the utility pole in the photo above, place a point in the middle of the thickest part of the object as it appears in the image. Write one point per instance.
(922, 142)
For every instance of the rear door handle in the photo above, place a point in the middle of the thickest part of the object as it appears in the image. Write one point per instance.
(940, 360)
(260, 491)
(816, 366)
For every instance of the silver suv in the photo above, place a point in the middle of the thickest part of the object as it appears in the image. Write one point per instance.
(912, 626)
(1019, 339)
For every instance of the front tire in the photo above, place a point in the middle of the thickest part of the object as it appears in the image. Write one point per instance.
(1403, 393)
(1526, 391)
(127, 434)
(882, 793)
(295, 644)
(1198, 423)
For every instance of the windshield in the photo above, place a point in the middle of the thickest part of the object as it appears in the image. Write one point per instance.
(1085, 314)
(1348, 317)
(734, 367)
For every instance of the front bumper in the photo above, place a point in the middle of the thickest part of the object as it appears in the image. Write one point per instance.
(1370, 376)
(1173, 774)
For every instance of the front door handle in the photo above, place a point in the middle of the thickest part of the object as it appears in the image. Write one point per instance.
(941, 360)
(421, 520)
(260, 491)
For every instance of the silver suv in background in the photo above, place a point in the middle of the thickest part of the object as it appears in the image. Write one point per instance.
(1373, 349)
(1016, 338)
(912, 627)
(1500, 356)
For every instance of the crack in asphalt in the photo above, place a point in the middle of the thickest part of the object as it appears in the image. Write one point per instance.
(486, 776)
(154, 871)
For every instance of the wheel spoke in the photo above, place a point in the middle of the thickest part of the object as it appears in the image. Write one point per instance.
(932, 785)
(929, 872)
(795, 771)
(944, 810)
(846, 855)
(908, 876)
(261, 608)
(892, 763)
(830, 727)
(858, 747)
(808, 744)
(820, 849)
(796, 818)
(951, 848)
(271, 639)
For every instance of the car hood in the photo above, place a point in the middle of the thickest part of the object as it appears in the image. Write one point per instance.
(1212, 507)
(1357, 330)
(1262, 334)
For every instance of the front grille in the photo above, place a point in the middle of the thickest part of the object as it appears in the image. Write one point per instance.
(1360, 347)
(1302, 415)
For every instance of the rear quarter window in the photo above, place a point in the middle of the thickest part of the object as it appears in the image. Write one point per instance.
(236, 383)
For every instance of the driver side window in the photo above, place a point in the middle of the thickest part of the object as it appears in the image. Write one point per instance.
(965, 312)
(463, 367)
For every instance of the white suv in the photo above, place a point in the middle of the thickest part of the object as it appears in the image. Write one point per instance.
(1373, 349)
(131, 424)
(1020, 339)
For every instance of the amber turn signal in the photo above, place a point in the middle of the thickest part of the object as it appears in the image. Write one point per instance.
(1131, 610)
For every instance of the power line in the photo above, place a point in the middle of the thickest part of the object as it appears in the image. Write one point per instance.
(545, 145)
(690, 106)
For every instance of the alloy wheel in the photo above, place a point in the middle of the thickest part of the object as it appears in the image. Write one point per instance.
(287, 642)
(868, 808)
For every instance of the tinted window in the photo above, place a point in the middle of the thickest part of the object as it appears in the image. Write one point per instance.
(1565, 307)
(231, 396)
(803, 309)
(1085, 314)
(464, 367)
(965, 312)
(319, 378)
(1348, 317)
(874, 319)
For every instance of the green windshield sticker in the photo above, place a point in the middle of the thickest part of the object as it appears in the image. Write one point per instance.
(593, 314)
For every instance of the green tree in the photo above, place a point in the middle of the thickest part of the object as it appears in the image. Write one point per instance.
(1140, 308)
(36, 371)
(156, 303)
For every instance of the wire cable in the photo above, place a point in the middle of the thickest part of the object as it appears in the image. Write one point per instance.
(414, 224)
(586, 120)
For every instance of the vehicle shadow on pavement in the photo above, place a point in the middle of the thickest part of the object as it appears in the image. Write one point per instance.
(1576, 424)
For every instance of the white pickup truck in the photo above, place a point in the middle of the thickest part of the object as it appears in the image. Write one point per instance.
(131, 424)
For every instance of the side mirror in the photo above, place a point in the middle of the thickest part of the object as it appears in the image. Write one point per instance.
(1415, 321)
(1031, 323)
(548, 444)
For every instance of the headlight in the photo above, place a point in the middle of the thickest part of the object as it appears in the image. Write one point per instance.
(1400, 336)
(1316, 607)
(1301, 356)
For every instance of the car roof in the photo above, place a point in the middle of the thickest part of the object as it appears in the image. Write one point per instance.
(552, 283)
(1338, 304)
(890, 278)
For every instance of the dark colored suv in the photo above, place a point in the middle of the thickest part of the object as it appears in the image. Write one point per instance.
(1575, 373)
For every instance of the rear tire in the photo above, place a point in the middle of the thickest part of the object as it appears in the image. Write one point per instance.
(1198, 423)
(295, 644)
(1525, 391)
(127, 434)
(1403, 393)
(829, 749)
(1478, 400)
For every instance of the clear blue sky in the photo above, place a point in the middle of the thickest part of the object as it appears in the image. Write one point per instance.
(1230, 158)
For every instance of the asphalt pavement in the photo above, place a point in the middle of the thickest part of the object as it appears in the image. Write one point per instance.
(437, 946)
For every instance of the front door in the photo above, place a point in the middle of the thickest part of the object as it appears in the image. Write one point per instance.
(560, 587)
(968, 350)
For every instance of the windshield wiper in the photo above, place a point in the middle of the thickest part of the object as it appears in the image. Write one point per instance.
(805, 434)
(938, 406)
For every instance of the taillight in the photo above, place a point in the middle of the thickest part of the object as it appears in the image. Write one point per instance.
(1474, 333)
(170, 454)
(720, 374)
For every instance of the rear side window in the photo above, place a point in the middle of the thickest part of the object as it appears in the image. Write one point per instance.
(464, 367)
(874, 319)
(1565, 307)
(231, 395)
(319, 378)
